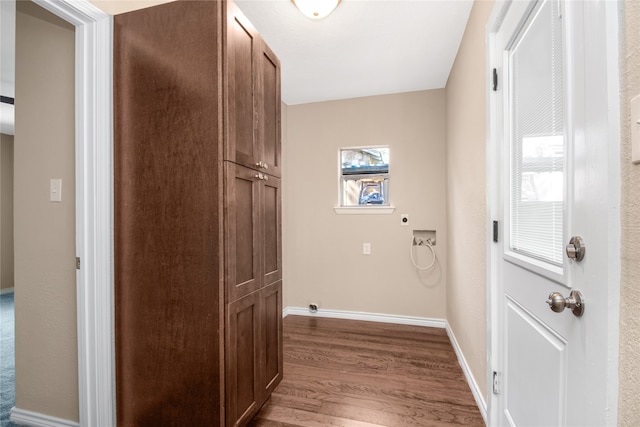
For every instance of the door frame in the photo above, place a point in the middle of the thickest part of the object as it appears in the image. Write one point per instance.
(94, 206)
(606, 24)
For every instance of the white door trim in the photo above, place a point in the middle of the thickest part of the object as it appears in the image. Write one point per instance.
(94, 207)
(604, 24)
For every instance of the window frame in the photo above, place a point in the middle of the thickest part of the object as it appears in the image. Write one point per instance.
(340, 208)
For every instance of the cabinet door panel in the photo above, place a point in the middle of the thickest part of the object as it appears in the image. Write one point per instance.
(243, 359)
(270, 105)
(272, 337)
(241, 62)
(242, 231)
(271, 236)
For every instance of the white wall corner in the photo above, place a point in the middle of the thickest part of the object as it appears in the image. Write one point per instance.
(35, 419)
(478, 395)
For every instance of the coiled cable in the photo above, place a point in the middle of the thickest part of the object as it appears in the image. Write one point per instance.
(428, 244)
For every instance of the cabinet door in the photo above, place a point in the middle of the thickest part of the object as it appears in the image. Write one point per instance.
(241, 61)
(271, 359)
(242, 231)
(269, 105)
(243, 349)
(271, 222)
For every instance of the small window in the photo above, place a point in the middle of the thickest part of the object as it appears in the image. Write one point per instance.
(364, 177)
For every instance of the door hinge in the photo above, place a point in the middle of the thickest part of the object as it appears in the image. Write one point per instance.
(496, 382)
(495, 231)
(77, 263)
(495, 79)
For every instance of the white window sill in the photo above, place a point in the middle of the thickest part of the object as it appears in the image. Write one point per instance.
(364, 210)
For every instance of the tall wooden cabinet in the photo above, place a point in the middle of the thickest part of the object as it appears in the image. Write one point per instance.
(198, 263)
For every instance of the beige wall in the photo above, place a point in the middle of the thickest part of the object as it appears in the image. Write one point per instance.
(466, 203)
(45, 294)
(629, 403)
(116, 7)
(286, 253)
(323, 251)
(6, 211)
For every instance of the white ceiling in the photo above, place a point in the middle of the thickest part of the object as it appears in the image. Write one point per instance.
(364, 48)
(7, 53)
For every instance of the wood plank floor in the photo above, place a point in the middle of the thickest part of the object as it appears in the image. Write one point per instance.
(346, 373)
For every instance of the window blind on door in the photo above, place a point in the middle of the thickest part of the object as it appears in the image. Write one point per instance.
(537, 137)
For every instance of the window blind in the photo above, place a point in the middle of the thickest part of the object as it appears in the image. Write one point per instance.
(537, 138)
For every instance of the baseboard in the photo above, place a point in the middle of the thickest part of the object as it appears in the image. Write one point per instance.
(6, 291)
(478, 395)
(35, 419)
(369, 317)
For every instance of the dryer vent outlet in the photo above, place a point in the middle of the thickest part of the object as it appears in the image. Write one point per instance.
(313, 307)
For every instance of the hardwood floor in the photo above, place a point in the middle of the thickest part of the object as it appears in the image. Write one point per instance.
(346, 373)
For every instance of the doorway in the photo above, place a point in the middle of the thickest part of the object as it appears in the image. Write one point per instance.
(554, 174)
(92, 132)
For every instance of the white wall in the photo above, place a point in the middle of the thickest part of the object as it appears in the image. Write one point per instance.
(323, 260)
(45, 293)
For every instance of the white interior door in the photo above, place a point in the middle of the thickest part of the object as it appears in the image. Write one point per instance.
(555, 151)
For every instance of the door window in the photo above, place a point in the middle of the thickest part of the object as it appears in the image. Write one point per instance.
(537, 139)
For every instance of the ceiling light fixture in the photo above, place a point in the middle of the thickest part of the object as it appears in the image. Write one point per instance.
(316, 9)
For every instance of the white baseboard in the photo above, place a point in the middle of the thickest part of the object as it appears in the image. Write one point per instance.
(35, 419)
(6, 291)
(369, 317)
(478, 395)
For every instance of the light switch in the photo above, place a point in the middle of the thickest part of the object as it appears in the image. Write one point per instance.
(55, 190)
(635, 129)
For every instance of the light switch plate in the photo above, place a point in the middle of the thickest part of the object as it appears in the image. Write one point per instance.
(55, 190)
(635, 130)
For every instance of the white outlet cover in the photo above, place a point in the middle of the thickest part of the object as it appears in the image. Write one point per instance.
(366, 248)
(635, 130)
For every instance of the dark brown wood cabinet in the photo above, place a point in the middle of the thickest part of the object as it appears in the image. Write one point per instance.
(254, 348)
(198, 264)
(254, 97)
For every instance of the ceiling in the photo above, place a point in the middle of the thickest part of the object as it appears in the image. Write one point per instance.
(7, 42)
(364, 48)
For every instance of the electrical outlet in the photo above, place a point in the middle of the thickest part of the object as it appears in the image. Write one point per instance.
(366, 248)
(404, 219)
